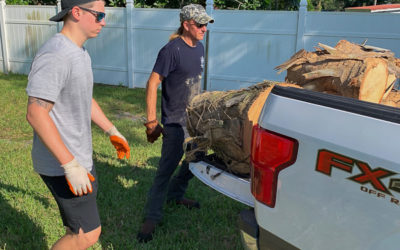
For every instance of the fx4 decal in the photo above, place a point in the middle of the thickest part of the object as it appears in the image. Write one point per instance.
(327, 160)
(395, 185)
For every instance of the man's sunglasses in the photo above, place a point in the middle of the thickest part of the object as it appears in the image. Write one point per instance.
(99, 15)
(198, 25)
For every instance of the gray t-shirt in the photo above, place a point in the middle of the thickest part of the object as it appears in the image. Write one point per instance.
(61, 72)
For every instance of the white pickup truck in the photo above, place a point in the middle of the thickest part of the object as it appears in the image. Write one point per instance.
(325, 174)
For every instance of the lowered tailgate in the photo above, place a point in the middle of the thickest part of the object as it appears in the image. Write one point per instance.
(228, 184)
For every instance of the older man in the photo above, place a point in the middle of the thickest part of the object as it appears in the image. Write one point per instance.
(178, 67)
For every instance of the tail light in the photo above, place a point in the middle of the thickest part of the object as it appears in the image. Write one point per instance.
(270, 153)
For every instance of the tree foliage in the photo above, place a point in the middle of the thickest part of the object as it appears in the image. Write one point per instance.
(313, 5)
(340, 5)
(31, 2)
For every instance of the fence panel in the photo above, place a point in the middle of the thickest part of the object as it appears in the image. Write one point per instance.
(3, 57)
(151, 30)
(108, 49)
(2, 65)
(245, 46)
(27, 28)
(380, 29)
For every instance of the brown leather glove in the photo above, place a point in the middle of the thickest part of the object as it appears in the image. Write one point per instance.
(153, 130)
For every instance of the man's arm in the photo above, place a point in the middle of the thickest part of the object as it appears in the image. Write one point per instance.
(99, 118)
(151, 95)
(153, 129)
(38, 117)
(117, 139)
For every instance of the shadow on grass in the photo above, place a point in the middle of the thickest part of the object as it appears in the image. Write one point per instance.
(15, 225)
(116, 99)
(121, 199)
(153, 161)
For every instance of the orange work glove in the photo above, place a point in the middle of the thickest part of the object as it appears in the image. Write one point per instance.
(119, 142)
(78, 178)
(153, 130)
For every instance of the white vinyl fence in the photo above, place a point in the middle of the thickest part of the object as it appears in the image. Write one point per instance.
(243, 47)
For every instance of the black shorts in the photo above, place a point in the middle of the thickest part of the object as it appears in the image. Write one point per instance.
(76, 211)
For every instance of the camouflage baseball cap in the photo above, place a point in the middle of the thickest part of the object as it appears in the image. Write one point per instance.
(195, 12)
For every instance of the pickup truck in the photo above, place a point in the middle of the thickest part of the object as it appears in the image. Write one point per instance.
(325, 174)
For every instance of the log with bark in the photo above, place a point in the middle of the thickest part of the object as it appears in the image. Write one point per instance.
(358, 71)
(222, 121)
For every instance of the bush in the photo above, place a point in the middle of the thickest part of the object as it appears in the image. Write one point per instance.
(31, 2)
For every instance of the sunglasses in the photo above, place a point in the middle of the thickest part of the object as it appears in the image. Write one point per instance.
(198, 25)
(99, 15)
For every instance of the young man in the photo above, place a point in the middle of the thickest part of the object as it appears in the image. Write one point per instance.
(60, 111)
(178, 67)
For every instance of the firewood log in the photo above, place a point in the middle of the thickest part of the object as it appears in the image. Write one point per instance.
(223, 121)
(358, 71)
(392, 99)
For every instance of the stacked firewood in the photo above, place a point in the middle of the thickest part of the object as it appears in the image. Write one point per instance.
(358, 71)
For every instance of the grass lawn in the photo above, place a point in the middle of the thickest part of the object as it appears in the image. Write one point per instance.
(29, 217)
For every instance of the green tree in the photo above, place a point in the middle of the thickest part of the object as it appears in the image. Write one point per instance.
(340, 5)
(31, 2)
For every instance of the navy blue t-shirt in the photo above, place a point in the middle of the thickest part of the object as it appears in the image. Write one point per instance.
(181, 66)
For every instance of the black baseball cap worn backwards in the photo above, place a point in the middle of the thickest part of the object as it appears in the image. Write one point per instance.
(66, 6)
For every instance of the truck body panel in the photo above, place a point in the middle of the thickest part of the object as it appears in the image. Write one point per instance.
(343, 190)
(315, 210)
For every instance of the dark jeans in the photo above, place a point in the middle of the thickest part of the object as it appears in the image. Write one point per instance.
(163, 187)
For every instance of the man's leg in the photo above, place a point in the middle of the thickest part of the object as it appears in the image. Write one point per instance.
(171, 154)
(79, 213)
(180, 182)
(178, 186)
(77, 241)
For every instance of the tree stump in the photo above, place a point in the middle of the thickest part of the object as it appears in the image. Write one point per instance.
(222, 121)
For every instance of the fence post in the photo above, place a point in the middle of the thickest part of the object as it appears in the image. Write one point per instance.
(301, 24)
(129, 41)
(4, 47)
(210, 7)
(209, 10)
(58, 10)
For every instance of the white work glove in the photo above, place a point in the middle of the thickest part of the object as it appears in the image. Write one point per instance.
(119, 142)
(78, 178)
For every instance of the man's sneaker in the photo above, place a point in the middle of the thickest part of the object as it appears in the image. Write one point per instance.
(188, 203)
(146, 232)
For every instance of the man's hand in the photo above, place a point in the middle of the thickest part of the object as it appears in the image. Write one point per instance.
(78, 178)
(153, 130)
(119, 142)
